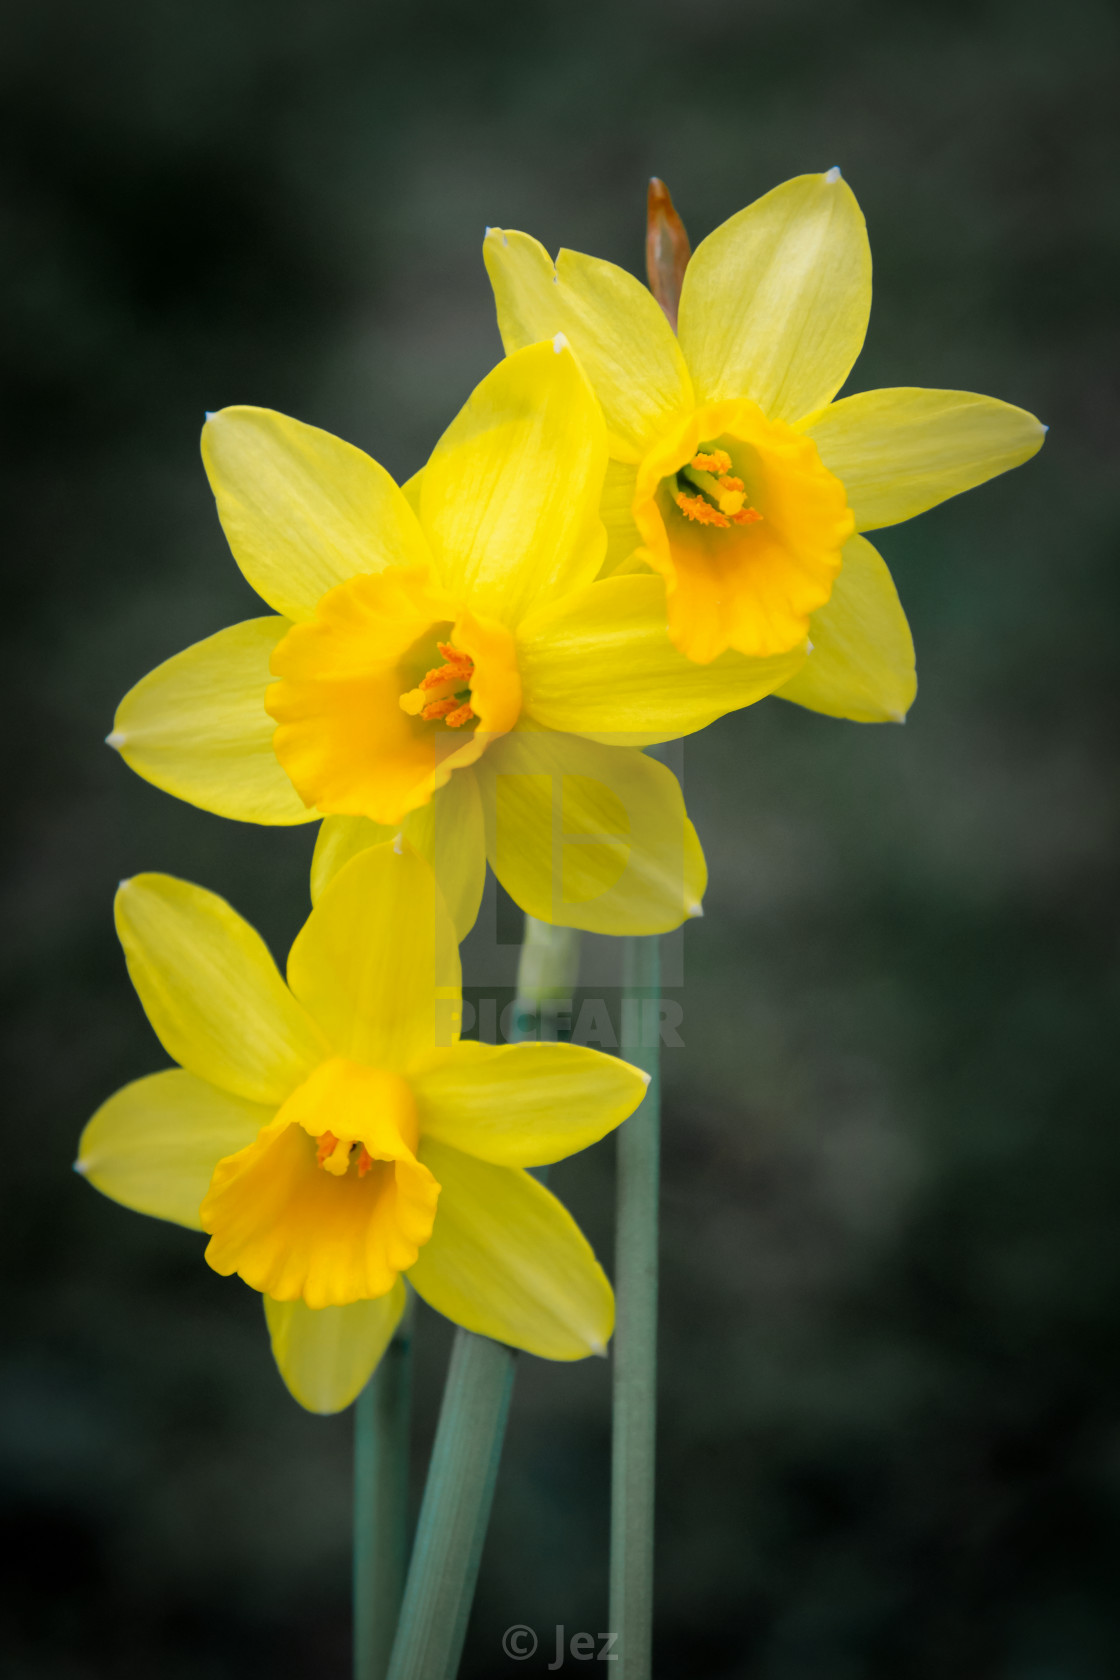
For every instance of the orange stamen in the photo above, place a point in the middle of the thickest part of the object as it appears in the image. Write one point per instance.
(728, 482)
(328, 1143)
(440, 708)
(445, 684)
(448, 673)
(715, 461)
(459, 667)
(696, 508)
(747, 516)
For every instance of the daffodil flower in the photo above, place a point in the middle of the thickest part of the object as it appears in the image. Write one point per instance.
(333, 1135)
(461, 650)
(734, 475)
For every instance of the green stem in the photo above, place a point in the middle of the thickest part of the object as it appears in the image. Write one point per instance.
(635, 1337)
(472, 1420)
(382, 1420)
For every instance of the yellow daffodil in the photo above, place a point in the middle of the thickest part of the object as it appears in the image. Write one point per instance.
(734, 475)
(333, 1135)
(459, 648)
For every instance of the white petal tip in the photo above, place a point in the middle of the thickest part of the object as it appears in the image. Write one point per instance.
(122, 885)
(1045, 428)
(115, 739)
(898, 717)
(398, 844)
(832, 175)
(646, 1077)
(695, 910)
(808, 648)
(81, 1167)
(559, 343)
(598, 1350)
(211, 414)
(486, 232)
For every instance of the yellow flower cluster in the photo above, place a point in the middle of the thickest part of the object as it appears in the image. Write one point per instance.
(634, 526)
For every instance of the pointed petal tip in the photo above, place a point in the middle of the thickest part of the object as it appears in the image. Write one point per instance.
(80, 1167)
(598, 1350)
(559, 343)
(122, 885)
(832, 175)
(898, 717)
(696, 910)
(115, 739)
(398, 843)
(1044, 426)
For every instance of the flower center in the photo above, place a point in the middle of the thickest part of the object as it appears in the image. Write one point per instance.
(364, 685)
(717, 496)
(444, 692)
(746, 526)
(290, 1217)
(334, 1154)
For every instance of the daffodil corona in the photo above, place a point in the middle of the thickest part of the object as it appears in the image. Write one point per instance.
(334, 1135)
(446, 661)
(734, 475)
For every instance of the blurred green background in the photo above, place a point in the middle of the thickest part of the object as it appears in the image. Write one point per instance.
(890, 1445)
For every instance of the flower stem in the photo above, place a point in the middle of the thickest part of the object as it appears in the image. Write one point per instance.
(635, 1337)
(456, 1509)
(382, 1419)
(472, 1420)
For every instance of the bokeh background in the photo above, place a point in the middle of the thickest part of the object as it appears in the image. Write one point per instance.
(890, 1444)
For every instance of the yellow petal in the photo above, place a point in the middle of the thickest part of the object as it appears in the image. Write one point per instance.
(507, 1260)
(510, 497)
(775, 302)
(899, 452)
(154, 1145)
(327, 1357)
(197, 728)
(340, 839)
(410, 490)
(862, 663)
(449, 832)
(212, 991)
(301, 509)
(616, 509)
(600, 663)
(522, 1105)
(590, 836)
(612, 322)
(377, 963)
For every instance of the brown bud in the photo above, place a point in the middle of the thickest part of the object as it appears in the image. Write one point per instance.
(667, 249)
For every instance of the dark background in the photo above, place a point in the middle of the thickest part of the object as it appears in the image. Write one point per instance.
(890, 1445)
